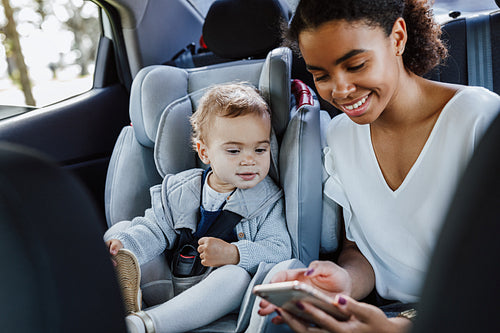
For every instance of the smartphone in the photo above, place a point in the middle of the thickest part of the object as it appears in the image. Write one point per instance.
(286, 294)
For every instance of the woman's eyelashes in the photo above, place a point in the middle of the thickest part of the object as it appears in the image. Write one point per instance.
(352, 69)
(356, 67)
(319, 78)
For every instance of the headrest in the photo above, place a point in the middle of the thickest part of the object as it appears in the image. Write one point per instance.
(153, 88)
(238, 29)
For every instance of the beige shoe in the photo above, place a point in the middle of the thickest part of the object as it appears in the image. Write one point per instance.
(129, 278)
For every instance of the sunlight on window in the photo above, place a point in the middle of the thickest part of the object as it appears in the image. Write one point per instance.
(58, 42)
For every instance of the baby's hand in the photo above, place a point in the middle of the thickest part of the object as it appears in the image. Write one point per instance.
(215, 252)
(114, 245)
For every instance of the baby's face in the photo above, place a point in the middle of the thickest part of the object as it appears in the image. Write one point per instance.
(238, 150)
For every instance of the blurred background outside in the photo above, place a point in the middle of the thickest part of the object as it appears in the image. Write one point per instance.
(47, 50)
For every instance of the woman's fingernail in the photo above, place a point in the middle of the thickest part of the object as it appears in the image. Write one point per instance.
(278, 312)
(309, 271)
(342, 300)
(299, 306)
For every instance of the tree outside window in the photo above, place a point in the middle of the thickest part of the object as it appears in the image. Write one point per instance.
(47, 50)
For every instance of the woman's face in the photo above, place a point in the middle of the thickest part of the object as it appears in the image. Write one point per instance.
(355, 67)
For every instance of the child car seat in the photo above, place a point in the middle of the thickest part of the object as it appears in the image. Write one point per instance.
(164, 98)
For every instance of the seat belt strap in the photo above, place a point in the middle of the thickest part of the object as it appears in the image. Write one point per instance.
(224, 225)
(479, 62)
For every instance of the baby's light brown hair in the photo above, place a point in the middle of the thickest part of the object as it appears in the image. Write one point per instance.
(226, 100)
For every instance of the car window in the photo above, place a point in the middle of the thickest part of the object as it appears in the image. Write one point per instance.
(465, 5)
(442, 8)
(47, 50)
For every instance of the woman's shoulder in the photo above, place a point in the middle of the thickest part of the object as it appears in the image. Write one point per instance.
(473, 102)
(476, 93)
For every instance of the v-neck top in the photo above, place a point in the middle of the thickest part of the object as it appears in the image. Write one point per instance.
(396, 230)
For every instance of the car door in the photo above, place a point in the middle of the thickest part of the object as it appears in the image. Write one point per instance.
(79, 132)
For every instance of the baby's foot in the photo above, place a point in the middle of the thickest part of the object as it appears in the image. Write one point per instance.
(129, 278)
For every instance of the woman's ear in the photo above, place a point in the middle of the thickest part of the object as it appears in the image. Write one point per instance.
(399, 36)
(201, 148)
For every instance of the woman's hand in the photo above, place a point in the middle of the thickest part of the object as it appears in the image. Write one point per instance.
(215, 252)
(364, 318)
(324, 275)
(329, 278)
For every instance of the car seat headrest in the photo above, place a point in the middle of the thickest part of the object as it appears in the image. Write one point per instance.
(238, 29)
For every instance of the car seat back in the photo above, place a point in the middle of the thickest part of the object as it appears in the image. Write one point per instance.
(56, 273)
(461, 290)
(473, 44)
(235, 30)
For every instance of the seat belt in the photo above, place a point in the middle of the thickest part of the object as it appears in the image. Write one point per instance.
(186, 259)
(479, 62)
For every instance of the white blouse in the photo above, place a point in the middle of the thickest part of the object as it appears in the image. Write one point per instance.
(396, 230)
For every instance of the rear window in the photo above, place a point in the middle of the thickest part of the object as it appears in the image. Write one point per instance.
(463, 6)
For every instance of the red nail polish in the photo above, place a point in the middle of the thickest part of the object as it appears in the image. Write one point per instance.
(342, 300)
(299, 306)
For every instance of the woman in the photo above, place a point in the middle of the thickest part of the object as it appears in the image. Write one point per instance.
(394, 156)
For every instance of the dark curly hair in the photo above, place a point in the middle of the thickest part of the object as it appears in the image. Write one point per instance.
(424, 49)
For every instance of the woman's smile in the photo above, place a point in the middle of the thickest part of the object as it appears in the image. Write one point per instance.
(357, 107)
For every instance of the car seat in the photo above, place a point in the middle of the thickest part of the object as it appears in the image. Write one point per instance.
(461, 290)
(56, 273)
(474, 44)
(162, 100)
(235, 30)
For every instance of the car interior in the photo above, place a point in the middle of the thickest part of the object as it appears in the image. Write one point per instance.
(72, 169)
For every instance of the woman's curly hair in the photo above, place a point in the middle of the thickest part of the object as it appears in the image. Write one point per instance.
(424, 48)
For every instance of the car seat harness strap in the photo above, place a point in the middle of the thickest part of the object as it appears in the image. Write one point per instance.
(220, 223)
